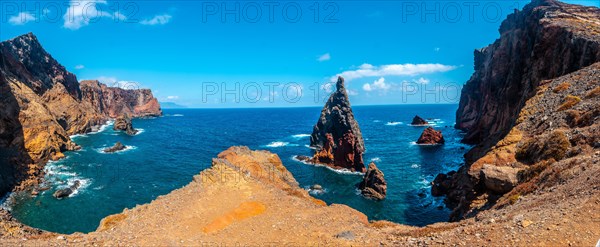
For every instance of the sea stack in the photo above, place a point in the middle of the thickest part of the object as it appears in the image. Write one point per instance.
(373, 184)
(336, 136)
(124, 123)
(117, 147)
(431, 136)
(419, 121)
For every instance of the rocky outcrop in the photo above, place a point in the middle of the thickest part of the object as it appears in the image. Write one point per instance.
(545, 40)
(117, 147)
(499, 179)
(431, 136)
(123, 123)
(373, 184)
(41, 105)
(523, 104)
(418, 121)
(66, 192)
(115, 101)
(336, 136)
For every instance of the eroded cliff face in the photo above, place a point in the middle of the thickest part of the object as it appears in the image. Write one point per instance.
(114, 101)
(545, 40)
(336, 135)
(506, 108)
(42, 104)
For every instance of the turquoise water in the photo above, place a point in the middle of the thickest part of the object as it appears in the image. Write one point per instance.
(171, 149)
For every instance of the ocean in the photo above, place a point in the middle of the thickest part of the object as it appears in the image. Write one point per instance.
(171, 149)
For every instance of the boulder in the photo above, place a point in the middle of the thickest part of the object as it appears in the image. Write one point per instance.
(123, 123)
(431, 136)
(419, 121)
(336, 136)
(373, 184)
(499, 179)
(62, 193)
(117, 147)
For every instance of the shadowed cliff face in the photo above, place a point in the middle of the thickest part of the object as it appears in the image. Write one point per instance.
(544, 41)
(337, 133)
(42, 105)
(514, 106)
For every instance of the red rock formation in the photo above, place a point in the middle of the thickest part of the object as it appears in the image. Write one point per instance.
(373, 184)
(431, 136)
(337, 133)
(114, 102)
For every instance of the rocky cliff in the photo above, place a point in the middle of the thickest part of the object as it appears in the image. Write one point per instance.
(507, 110)
(336, 136)
(115, 101)
(545, 40)
(42, 104)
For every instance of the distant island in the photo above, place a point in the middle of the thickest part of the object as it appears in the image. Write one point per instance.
(171, 105)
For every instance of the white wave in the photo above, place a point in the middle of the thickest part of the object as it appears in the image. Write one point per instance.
(426, 145)
(339, 171)
(98, 187)
(300, 136)
(83, 184)
(415, 166)
(315, 192)
(376, 159)
(102, 128)
(177, 115)
(279, 144)
(140, 131)
(376, 121)
(393, 123)
(308, 146)
(78, 136)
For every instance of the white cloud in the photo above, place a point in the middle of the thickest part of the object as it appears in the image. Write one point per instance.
(119, 16)
(113, 82)
(80, 66)
(157, 20)
(324, 57)
(408, 69)
(172, 97)
(21, 18)
(81, 12)
(422, 80)
(351, 92)
(377, 85)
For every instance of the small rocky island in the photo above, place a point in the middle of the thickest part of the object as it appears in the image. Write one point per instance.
(431, 136)
(117, 147)
(373, 184)
(123, 123)
(62, 193)
(336, 136)
(419, 121)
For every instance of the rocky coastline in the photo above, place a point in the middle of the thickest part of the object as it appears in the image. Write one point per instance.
(43, 105)
(531, 179)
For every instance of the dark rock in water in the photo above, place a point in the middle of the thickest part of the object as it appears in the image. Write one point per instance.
(62, 193)
(336, 136)
(124, 123)
(373, 184)
(117, 147)
(419, 121)
(304, 158)
(316, 187)
(431, 136)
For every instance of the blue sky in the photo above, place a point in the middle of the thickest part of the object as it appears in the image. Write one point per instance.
(207, 54)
